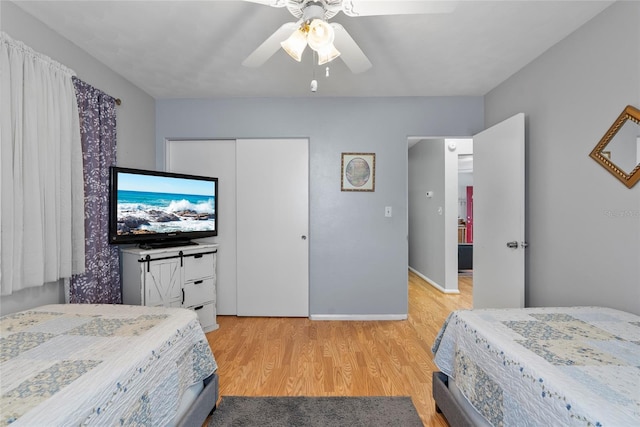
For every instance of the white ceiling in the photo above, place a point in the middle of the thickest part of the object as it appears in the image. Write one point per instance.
(194, 49)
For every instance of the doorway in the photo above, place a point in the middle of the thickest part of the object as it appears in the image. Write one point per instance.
(465, 214)
(435, 184)
(498, 211)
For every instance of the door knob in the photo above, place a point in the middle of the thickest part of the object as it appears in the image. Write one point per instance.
(512, 245)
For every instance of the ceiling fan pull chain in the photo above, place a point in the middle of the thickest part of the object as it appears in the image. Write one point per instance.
(315, 57)
(314, 82)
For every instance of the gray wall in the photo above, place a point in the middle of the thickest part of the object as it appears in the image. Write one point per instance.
(583, 224)
(426, 227)
(433, 222)
(135, 117)
(358, 258)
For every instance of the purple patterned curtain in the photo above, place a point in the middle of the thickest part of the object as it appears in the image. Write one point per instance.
(100, 283)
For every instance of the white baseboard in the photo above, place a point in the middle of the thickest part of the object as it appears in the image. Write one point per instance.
(434, 284)
(358, 317)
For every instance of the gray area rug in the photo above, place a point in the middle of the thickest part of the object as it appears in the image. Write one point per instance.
(239, 411)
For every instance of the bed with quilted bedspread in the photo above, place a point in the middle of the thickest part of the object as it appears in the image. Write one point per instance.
(73, 364)
(577, 366)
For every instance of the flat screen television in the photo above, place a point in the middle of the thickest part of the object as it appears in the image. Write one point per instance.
(160, 209)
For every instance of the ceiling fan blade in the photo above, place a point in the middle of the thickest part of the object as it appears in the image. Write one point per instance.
(270, 45)
(272, 3)
(410, 7)
(350, 52)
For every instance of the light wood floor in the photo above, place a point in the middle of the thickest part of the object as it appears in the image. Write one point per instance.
(301, 357)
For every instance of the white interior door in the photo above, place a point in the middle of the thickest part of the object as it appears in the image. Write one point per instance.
(272, 227)
(499, 218)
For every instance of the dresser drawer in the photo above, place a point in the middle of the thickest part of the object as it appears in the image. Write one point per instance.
(199, 292)
(207, 316)
(198, 266)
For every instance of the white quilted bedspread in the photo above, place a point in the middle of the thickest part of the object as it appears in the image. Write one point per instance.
(80, 364)
(577, 366)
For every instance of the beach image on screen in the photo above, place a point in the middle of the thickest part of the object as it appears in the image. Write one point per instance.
(149, 204)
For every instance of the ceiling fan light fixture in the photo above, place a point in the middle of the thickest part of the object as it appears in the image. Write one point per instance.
(320, 34)
(327, 54)
(295, 44)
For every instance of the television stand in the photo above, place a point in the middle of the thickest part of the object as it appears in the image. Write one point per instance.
(166, 244)
(172, 277)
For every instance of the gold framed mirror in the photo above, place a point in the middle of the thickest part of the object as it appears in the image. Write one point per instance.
(619, 149)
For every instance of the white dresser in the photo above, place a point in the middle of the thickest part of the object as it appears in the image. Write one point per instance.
(181, 276)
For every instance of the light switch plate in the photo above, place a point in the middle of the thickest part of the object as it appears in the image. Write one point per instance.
(387, 211)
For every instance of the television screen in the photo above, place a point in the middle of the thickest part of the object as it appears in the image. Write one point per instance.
(161, 207)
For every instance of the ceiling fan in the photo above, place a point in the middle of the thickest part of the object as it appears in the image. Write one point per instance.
(330, 40)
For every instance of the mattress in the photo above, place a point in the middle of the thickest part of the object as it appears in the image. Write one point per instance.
(545, 366)
(80, 364)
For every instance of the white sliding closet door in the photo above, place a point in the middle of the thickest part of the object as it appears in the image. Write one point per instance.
(272, 227)
(214, 158)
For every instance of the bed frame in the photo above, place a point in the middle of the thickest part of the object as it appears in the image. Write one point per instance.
(446, 404)
(204, 405)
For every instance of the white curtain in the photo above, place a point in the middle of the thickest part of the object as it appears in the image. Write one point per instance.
(41, 205)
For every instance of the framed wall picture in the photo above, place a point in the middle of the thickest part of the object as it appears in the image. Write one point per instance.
(358, 172)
